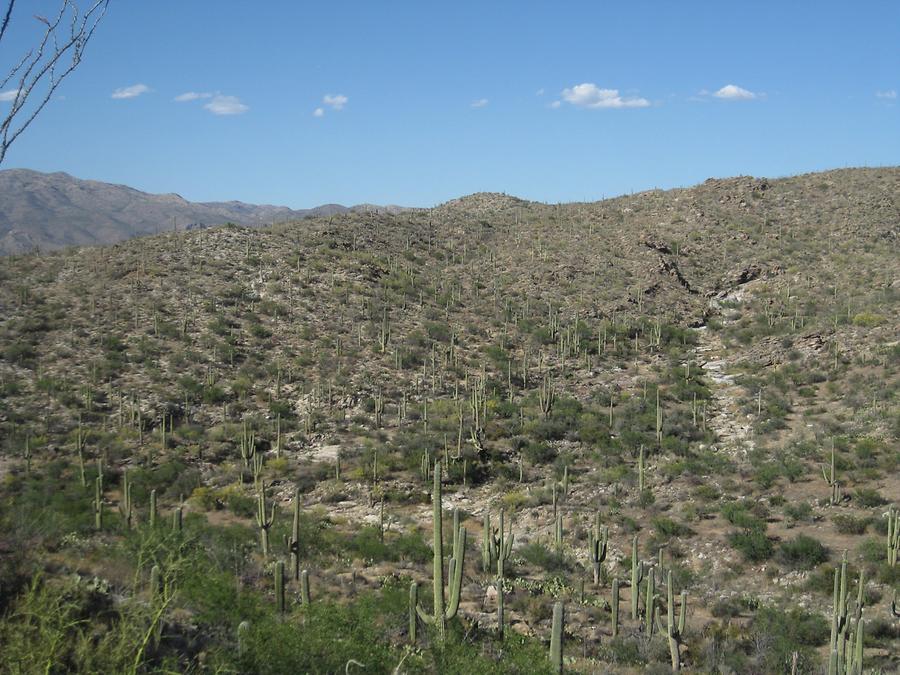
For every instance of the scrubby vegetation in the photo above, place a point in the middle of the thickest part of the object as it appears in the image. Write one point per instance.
(654, 432)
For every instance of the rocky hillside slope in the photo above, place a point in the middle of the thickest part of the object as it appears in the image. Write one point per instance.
(708, 379)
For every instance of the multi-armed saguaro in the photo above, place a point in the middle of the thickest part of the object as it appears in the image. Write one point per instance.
(843, 661)
(444, 610)
(674, 631)
(496, 547)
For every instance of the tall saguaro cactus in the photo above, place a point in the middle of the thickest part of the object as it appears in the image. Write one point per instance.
(98, 503)
(126, 505)
(294, 542)
(614, 605)
(893, 536)
(637, 575)
(444, 609)
(546, 396)
(832, 481)
(262, 520)
(496, 545)
(598, 541)
(413, 603)
(674, 630)
(841, 660)
(556, 638)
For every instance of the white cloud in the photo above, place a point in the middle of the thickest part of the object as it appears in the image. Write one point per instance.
(480, 103)
(890, 94)
(589, 95)
(336, 101)
(732, 92)
(555, 104)
(133, 91)
(226, 105)
(192, 96)
(9, 95)
(539, 92)
(319, 112)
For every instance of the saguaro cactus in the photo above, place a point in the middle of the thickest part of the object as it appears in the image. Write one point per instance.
(893, 536)
(598, 542)
(641, 471)
(262, 520)
(832, 481)
(242, 630)
(496, 545)
(674, 630)
(294, 541)
(558, 536)
(556, 638)
(650, 601)
(614, 605)
(153, 509)
(546, 396)
(444, 611)
(413, 619)
(637, 575)
(98, 503)
(126, 505)
(501, 620)
(304, 587)
(841, 662)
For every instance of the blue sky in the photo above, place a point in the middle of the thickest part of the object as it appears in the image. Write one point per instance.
(419, 102)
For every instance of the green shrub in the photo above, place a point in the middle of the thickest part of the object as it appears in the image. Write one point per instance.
(540, 556)
(847, 524)
(869, 497)
(752, 544)
(785, 633)
(667, 528)
(802, 552)
(801, 511)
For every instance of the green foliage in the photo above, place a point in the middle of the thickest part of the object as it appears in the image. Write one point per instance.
(869, 497)
(802, 552)
(787, 632)
(331, 634)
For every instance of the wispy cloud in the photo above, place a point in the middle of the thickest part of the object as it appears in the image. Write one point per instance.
(226, 105)
(335, 101)
(133, 91)
(9, 95)
(889, 94)
(480, 103)
(732, 92)
(589, 95)
(192, 96)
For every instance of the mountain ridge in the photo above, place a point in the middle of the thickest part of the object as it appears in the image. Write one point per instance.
(49, 211)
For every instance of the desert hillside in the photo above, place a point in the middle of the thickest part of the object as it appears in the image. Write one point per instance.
(222, 449)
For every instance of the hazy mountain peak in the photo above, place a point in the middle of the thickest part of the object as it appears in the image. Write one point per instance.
(55, 210)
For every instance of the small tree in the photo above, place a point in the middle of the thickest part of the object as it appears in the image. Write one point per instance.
(29, 82)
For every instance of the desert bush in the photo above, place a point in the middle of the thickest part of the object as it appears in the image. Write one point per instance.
(802, 552)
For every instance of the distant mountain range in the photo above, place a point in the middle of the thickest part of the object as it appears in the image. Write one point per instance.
(55, 210)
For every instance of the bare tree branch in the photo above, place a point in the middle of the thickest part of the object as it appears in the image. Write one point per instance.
(39, 72)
